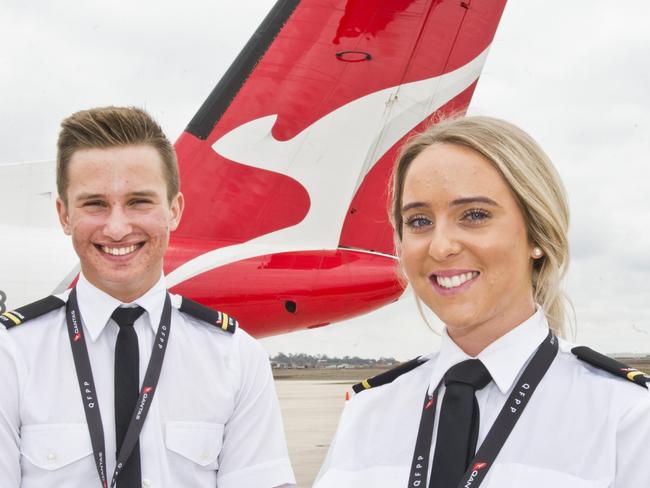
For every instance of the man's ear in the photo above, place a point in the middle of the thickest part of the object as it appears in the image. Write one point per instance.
(176, 208)
(62, 211)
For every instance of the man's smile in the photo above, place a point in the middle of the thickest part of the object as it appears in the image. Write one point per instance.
(119, 251)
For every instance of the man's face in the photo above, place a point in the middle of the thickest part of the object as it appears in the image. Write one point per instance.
(118, 215)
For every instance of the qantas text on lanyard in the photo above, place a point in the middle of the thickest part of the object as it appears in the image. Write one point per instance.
(499, 431)
(89, 393)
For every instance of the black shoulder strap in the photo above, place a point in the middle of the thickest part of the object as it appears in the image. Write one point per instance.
(611, 365)
(207, 314)
(388, 376)
(28, 312)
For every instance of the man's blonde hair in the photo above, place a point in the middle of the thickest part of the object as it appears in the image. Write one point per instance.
(107, 127)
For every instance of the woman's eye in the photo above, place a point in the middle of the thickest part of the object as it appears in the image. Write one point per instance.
(476, 215)
(417, 222)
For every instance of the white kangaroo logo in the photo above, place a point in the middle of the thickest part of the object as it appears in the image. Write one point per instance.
(329, 158)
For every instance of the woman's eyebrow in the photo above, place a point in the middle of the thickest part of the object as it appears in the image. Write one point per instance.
(479, 199)
(411, 205)
(454, 203)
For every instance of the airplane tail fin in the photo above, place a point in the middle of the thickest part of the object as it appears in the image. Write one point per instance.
(303, 128)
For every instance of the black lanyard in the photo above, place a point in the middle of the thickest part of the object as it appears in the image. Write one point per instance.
(89, 393)
(500, 430)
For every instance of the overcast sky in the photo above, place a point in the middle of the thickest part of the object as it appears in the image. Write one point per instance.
(573, 74)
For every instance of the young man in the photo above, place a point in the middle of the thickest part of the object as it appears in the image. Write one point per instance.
(116, 380)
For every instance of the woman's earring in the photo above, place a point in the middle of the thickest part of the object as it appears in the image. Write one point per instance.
(537, 252)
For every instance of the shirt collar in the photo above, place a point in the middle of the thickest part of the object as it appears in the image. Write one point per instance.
(504, 358)
(96, 306)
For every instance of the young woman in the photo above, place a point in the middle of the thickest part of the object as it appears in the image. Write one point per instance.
(481, 220)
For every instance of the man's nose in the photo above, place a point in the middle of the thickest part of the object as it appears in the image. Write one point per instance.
(118, 224)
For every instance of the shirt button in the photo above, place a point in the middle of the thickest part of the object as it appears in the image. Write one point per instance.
(204, 456)
(51, 457)
(146, 482)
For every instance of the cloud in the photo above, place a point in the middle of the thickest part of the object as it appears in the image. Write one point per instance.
(67, 56)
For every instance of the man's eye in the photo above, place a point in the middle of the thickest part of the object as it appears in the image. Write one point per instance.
(94, 203)
(140, 201)
(476, 215)
(417, 222)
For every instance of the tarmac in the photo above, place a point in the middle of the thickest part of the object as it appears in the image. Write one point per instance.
(310, 411)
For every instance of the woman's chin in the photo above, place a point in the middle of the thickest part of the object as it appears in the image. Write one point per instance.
(459, 328)
(459, 321)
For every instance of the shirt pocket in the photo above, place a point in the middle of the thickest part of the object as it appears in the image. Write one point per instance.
(199, 442)
(514, 475)
(54, 446)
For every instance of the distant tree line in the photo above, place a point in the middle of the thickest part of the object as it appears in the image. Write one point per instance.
(302, 360)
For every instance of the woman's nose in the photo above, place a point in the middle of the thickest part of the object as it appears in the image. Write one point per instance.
(444, 243)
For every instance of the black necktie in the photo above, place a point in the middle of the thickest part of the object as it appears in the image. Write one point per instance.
(458, 424)
(127, 389)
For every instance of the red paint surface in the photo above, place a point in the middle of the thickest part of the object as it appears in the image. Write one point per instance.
(301, 79)
(367, 225)
(325, 286)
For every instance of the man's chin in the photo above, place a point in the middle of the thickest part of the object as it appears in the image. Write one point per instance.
(123, 280)
(121, 285)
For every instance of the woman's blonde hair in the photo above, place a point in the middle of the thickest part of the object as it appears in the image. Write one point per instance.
(534, 182)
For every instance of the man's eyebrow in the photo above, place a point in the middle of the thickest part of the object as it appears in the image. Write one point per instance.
(478, 199)
(93, 196)
(89, 196)
(143, 193)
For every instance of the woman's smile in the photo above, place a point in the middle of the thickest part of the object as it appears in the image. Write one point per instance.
(451, 282)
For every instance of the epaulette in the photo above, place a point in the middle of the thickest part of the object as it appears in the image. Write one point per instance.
(611, 365)
(31, 311)
(388, 376)
(207, 314)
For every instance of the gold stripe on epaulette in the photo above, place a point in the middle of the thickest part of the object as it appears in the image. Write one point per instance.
(633, 374)
(365, 384)
(13, 318)
(224, 321)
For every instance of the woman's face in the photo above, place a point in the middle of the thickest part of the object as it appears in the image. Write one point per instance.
(464, 248)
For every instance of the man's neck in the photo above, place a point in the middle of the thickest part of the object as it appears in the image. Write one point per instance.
(122, 293)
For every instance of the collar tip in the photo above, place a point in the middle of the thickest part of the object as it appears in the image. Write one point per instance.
(504, 388)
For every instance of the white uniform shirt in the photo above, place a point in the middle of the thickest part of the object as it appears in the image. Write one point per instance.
(214, 421)
(583, 427)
